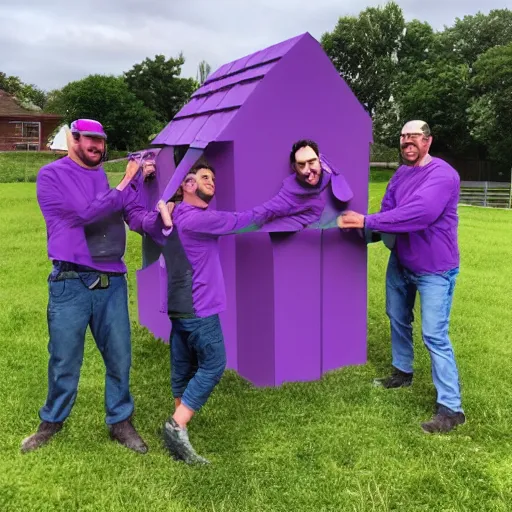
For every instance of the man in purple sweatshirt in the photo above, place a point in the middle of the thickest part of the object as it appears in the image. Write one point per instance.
(86, 234)
(196, 294)
(420, 210)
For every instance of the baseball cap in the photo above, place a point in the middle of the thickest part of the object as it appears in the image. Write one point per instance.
(88, 127)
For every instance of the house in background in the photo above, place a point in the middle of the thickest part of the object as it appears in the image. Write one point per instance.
(297, 302)
(23, 129)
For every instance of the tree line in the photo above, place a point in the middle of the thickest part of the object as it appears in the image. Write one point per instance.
(459, 79)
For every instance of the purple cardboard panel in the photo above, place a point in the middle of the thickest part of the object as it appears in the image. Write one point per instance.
(256, 308)
(214, 128)
(212, 102)
(193, 106)
(189, 134)
(239, 64)
(297, 292)
(344, 299)
(172, 132)
(237, 95)
(249, 74)
(157, 323)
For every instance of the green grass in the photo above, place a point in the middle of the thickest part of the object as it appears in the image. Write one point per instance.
(338, 444)
(23, 166)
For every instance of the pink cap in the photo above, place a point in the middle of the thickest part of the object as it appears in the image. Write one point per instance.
(88, 127)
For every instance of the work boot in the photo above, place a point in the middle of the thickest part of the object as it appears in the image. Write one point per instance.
(444, 421)
(178, 444)
(397, 379)
(124, 432)
(45, 432)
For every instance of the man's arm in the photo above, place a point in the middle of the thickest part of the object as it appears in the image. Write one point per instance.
(155, 223)
(52, 200)
(420, 211)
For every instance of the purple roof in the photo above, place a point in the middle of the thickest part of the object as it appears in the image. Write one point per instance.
(213, 106)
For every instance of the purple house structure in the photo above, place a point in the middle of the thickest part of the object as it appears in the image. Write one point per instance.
(297, 302)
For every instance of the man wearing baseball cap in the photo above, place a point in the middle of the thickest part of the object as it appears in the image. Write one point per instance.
(85, 221)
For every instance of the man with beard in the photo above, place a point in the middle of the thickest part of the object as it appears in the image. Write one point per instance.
(420, 210)
(196, 294)
(87, 287)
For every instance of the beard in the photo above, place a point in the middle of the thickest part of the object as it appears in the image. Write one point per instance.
(87, 160)
(204, 197)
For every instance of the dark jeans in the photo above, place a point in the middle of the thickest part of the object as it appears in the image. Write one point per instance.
(436, 295)
(198, 359)
(71, 308)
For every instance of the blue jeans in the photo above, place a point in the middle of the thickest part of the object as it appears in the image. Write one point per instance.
(436, 294)
(71, 308)
(198, 359)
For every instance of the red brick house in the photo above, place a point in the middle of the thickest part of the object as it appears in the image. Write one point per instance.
(22, 129)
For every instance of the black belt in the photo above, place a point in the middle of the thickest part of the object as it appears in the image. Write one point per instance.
(66, 266)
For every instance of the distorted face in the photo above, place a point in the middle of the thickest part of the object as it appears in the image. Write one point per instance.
(148, 169)
(415, 141)
(90, 149)
(205, 184)
(200, 184)
(307, 166)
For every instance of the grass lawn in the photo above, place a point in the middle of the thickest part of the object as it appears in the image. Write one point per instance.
(23, 166)
(338, 444)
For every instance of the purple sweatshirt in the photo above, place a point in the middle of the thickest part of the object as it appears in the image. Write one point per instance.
(85, 217)
(199, 230)
(420, 207)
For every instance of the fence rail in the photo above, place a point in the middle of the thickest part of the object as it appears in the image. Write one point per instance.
(492, 194)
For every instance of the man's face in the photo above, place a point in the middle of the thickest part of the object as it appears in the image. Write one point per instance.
(205, 183)
(90, 149)
(414, 145)
(307, 166)
(202, 184)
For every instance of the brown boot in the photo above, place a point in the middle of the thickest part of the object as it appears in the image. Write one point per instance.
(45, 432)
(125, 433)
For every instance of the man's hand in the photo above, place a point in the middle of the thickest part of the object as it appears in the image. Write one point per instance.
(131, 171)
(70, 143)
(350, 220)
(165, 212)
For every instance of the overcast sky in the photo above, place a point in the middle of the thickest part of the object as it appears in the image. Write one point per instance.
(52, 42)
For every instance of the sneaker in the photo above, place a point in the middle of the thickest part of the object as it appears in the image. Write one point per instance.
(45, 432)
(444, 421)
(124, 432)
(178, 444)
(397, 379)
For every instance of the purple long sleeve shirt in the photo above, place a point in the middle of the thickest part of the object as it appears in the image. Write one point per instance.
(80, 209)
(420, 207)
(199, 230)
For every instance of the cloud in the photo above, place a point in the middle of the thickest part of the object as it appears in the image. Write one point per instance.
(52, 43)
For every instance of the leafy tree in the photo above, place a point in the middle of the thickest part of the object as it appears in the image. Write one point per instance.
(127, 122)
(157, 83)
(473, 35)
(203, 71)
(491, 111)
(365, 50)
